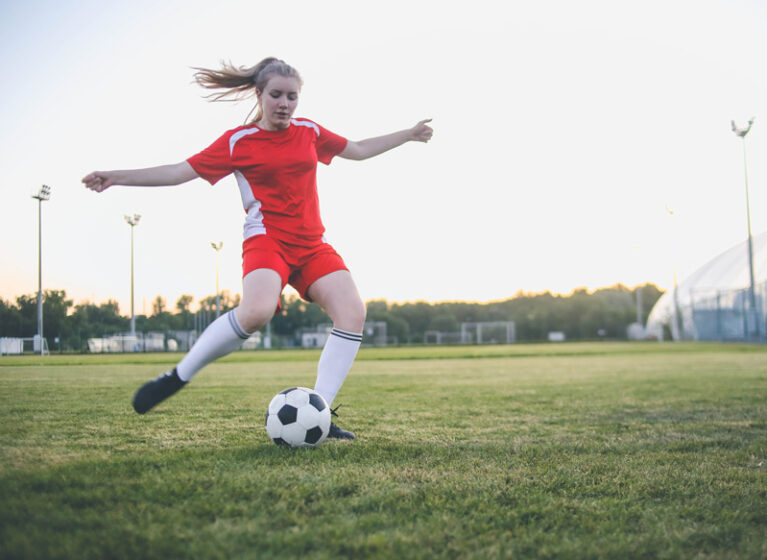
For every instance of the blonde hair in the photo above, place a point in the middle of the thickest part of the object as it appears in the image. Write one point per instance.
(240, 82)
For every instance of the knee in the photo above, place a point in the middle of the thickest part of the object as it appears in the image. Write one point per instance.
(352, 317)
(252, 318)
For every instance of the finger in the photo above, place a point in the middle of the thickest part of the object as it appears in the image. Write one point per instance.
(96, 184)
(95, 176)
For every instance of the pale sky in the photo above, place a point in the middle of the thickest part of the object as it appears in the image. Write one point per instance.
(563, 130)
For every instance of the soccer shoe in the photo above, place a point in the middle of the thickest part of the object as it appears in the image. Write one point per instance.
(154, 392)
(336, 432)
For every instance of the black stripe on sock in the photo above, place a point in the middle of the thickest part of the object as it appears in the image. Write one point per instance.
(354, 337)
(236, 326)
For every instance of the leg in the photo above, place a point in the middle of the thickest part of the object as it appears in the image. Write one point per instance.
(261, 292)
(260, 295)
(338, 295)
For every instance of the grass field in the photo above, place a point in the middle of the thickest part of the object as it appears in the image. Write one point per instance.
(522, 451)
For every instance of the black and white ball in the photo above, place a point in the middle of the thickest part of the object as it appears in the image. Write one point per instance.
(298, 417)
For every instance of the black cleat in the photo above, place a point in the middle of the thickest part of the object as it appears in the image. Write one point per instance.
(154, 392)
(336, 432)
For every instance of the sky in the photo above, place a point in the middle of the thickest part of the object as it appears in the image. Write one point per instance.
(576, 144)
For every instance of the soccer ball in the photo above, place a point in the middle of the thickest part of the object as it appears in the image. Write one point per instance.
(298, 417)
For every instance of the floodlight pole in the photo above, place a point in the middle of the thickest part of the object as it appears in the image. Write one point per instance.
(638, 291)
(742, 132)
(675, 330)
(132, 222)
(43, 194)
(217, 247)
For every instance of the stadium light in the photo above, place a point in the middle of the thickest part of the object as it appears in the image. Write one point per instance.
(132, 222)
(42, 195)
(217, 247)
(742, 132)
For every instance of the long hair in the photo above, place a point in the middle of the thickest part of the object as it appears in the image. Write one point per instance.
(240, 82)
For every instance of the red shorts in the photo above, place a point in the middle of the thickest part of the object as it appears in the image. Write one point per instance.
(298, 266)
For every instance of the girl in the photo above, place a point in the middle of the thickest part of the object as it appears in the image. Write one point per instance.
(274, 160)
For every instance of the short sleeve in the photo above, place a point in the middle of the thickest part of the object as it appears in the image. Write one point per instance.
(214, 162)
(329, 145)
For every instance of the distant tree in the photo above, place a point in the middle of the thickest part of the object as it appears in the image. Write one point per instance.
(27, 306)
(582, 315)
(228, 302)
(417, 315)
(90, 320)
(397, 329)
(295, 315)
(158, 305)
(10, 319)
(184, 319)
(376, 308)
(444, 322)
(184, 303)
(56, 308)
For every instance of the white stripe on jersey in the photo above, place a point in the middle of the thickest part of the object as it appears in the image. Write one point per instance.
(240, 134)
(254, 223)
(306, 123)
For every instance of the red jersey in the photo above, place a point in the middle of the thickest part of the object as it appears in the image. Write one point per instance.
(276, 171)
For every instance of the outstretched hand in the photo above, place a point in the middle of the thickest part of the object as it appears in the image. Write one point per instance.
(98, 181)
(421, 132)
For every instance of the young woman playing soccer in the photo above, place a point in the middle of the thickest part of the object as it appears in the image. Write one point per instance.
(274, 160)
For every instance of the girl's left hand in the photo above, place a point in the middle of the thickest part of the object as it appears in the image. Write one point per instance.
(421, 132)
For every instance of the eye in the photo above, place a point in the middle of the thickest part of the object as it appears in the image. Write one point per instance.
(292, 96)
(275, 94)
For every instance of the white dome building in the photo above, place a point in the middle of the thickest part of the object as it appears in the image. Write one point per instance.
(714, 302)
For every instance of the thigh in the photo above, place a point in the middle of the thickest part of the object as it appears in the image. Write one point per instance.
(337, 294)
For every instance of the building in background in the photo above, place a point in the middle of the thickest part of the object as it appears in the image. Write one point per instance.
(714, 302)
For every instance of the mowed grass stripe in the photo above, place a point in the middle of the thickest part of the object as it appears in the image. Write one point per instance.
(577, 349)
(644, 454)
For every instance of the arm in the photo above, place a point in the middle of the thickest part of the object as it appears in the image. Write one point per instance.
(364, 149)
(164, 175)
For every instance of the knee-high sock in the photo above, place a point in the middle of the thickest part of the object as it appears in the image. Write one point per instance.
(335, 362)
(223, 336)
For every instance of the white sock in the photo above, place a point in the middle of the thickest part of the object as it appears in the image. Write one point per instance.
(223, 336)
(335, 362)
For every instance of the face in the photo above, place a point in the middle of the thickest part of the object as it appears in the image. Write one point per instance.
(278, 102)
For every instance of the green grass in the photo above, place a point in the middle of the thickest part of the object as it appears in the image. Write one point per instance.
(539, 451)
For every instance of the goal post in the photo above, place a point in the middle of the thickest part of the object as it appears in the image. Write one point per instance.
(488, 332)
(26, 345)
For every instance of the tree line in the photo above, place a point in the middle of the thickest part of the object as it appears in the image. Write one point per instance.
(581, 315)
